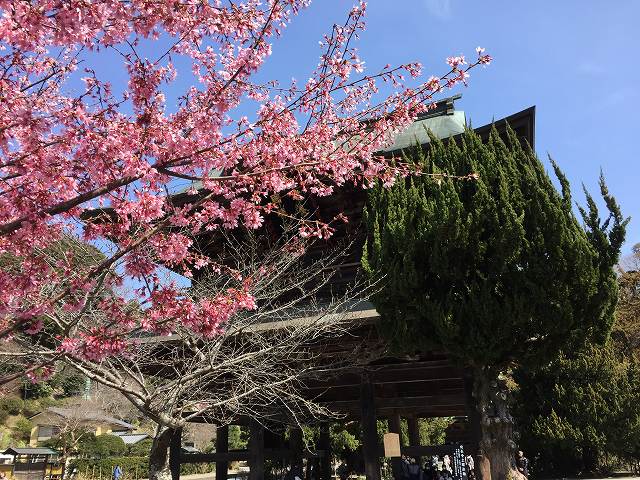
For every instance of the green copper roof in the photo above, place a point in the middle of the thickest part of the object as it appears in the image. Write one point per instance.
(442, 126)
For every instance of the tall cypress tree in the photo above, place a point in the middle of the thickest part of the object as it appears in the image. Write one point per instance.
(580, 411)
(496, 271)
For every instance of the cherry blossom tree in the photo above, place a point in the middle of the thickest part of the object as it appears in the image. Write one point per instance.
(69, 150)
(64, 151)
(256, 367)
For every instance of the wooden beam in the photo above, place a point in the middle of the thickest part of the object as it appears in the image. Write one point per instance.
(370, 447)
(474, 417)
(425, 451)
(222, 446)
(414, 431)
(325, 445)
(256, 451)
(481, 463)
(421, 402)
(395, 426)
(295, 446)
(175, 451)
(420, 372)
(245, 455)
(233, 456)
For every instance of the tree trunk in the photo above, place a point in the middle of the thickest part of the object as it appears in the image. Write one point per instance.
(496, 440)
(159, 456)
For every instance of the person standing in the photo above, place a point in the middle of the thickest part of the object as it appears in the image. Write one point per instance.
(343, 471)
(522, 464)
(471, 472)
(446, 466)
(117, 472)
(415, 472)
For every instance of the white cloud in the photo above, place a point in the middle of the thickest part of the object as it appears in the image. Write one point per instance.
(588, 67)
(616, 97)
(440, 9)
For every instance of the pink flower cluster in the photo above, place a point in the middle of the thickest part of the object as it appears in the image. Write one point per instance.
(68, 153)
(40, 374)
(207, 317)
(95, 344)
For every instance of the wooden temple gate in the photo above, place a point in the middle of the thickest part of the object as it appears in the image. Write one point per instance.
(425, 384)
(420, 386)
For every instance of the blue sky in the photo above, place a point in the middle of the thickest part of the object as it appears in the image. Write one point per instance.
(575, 60)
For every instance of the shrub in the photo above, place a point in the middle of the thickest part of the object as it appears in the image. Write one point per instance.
(71, 384)
(196, 468)
(142, 448)
(11, 405)
(238, 438)
(110, 446)
(101, 446)
(22, 429)
(132, 467)
(36, 390)
(31, 407)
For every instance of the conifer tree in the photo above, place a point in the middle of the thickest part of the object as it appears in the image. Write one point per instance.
(580, 411)
(627, 331)
(496, 271)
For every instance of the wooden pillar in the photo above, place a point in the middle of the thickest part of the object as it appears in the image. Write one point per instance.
(369, 430)
(482, 466)
(222, 446)
(256, 451)
(295, 446)
(325, 445)
(414, 431)
(473, 415)
(395, 426)
(175, 451)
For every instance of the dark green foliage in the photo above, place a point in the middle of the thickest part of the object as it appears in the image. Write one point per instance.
(109, 446)
(11, 405)
(433, 431)
(238, 438)
(96, 468)
(580, 413)
(33, 406)
(70, 385)
(36, 390)
(8, 368)
(22, 429)
(345, 439)
(17, 406)
(495, 270)
(132, 467)
(61, 385)
(101, 446)
(79, 440)
(141, 449)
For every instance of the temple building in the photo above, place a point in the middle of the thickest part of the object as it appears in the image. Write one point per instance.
(392, 387)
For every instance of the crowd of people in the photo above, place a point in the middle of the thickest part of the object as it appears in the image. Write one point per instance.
(435, 468)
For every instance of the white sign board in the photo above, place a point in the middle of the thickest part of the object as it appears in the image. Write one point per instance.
(391, 445)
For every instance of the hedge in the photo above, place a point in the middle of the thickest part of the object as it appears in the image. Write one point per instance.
(94, 468)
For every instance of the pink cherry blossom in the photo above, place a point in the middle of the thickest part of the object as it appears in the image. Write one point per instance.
(89, 161)
(455, 62)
